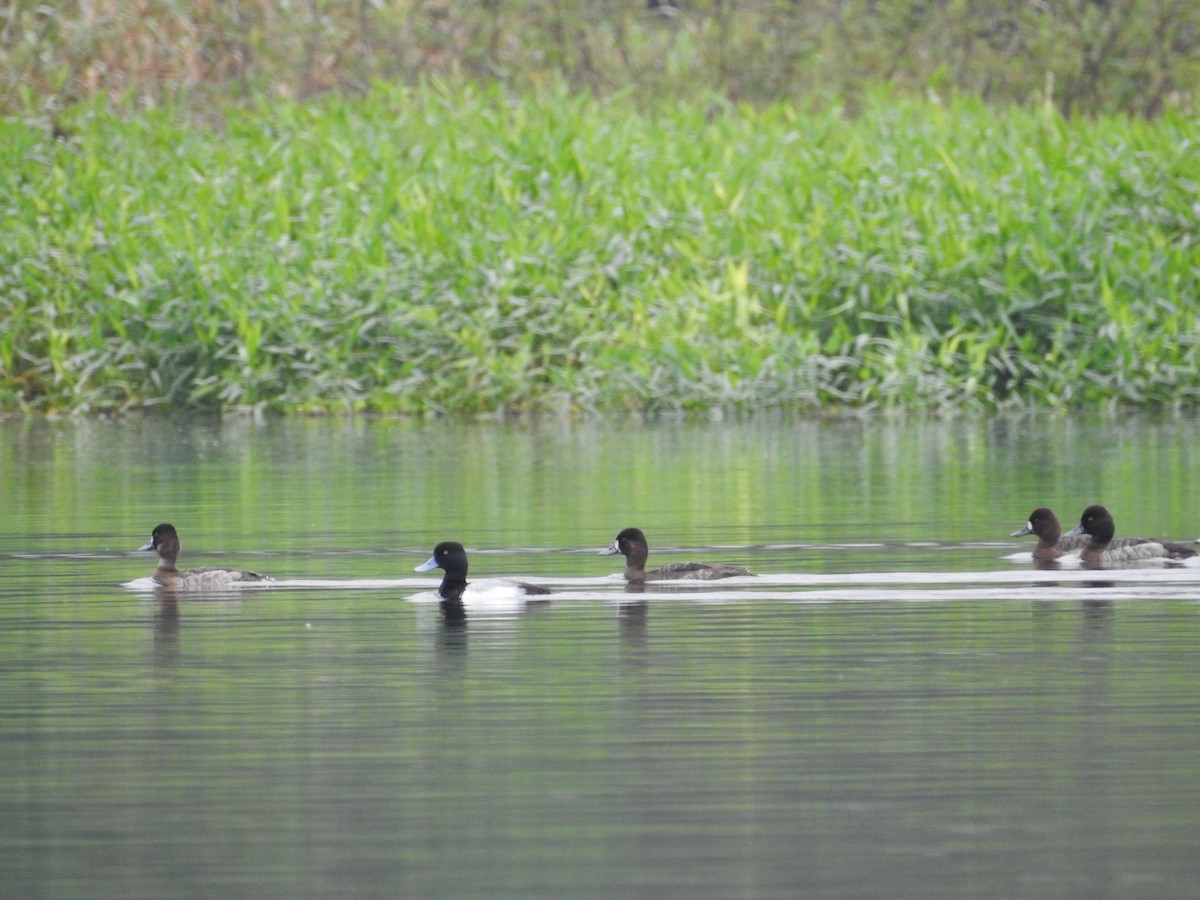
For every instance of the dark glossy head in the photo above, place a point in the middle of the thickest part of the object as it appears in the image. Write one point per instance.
(1043, 523)
(628, 541)
(1097, 523)
(449, 556)
(631, 544)
(164, 538)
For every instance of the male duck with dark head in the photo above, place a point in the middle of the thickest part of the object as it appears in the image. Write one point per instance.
(631, 543)
(1052, 543)
(451, 558)
(165, 539)
(1102, 552)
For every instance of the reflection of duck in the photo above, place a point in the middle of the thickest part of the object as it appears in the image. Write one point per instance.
(631, 543)
(166, 629)
(454, 591)
(632, 619)
(165, 539)
(1101, 551)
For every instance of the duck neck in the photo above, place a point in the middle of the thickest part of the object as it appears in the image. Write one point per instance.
(636, 558)
(452, 589)
(1045, 545)
(636, 574)
(1101, 537)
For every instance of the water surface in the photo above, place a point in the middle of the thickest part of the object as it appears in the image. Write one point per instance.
(894, 707)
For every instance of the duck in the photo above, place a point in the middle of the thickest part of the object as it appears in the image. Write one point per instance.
(451, 558)
(1052, 544)
(165, 539)
(631, 543)
(1101, 551)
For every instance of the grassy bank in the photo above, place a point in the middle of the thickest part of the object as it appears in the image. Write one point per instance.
(454, 249)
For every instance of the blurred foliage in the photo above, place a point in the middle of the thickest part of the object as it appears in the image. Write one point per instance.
(1082, 56)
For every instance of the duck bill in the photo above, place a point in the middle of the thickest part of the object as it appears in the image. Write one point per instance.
(610, 551)
(1021, 532)
(1075, 532)
(147, 546)
(430, 563)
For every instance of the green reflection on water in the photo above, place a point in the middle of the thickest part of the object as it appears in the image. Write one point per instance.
(287, 485)
(306, 742)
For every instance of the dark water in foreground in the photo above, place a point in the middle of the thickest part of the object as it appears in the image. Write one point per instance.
(893, 708)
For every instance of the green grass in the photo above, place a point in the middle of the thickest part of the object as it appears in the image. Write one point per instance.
(462, 250)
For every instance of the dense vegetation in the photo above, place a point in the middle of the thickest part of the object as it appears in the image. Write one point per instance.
(468, 250)
(600, 205)
(1089, 56)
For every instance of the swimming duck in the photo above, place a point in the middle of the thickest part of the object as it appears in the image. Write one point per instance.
(451, 558)
(1051, 542)
(165, 539)
(1101, 551)
(631, 543)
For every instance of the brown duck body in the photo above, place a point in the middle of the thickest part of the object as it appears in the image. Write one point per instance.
(631, 543)
(1052, 544)
(165, 540)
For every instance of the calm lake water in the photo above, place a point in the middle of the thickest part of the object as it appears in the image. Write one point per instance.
(894, 707)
